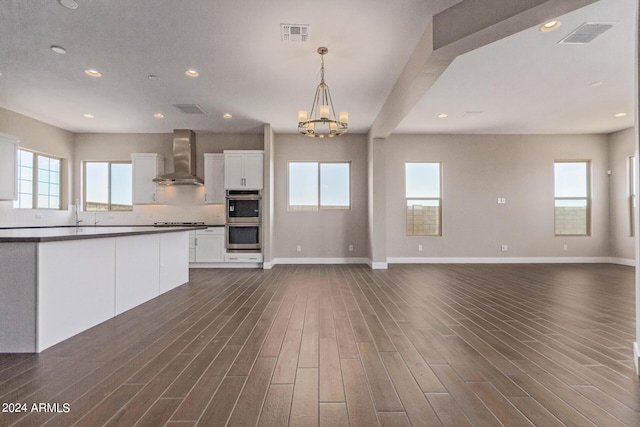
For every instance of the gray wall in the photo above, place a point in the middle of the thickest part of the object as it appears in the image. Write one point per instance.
(621, 147)
(328, 233)
(477, 169)
(179, 203)
(46, 139)
(112, 146)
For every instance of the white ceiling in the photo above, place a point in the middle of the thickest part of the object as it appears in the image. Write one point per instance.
(526, 83)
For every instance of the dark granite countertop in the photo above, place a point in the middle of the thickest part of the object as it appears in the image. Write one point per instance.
(59, 233)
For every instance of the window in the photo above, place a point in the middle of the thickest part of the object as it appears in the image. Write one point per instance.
(633, 177)
(319, 185)
(38, 181)
(423, 190)
(572, 201)
(107, 186)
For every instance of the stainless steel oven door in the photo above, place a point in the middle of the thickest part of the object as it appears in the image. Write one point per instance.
(243, 236)
(244, 210)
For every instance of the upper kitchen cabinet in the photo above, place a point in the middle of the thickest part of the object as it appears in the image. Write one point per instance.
(146, 167)
(214, 178)
(8, 167)
(243, 169)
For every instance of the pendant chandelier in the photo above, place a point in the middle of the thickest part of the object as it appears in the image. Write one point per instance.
(322, 120)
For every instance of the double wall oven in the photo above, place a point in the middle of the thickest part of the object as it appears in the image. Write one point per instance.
(243, 229)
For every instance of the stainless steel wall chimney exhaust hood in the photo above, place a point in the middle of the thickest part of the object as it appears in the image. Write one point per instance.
(184, 160)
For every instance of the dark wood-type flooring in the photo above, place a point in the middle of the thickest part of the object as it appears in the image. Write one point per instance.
(420, 345)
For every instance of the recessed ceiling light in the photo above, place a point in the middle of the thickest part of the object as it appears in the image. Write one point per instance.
(620, 115)
(158, 116)
(59, 49)
(226, 116)
(443, 115)
(69, 4)
(550, 26)
(93, 73)
(192, 73)
(596, 84)
(89, 116)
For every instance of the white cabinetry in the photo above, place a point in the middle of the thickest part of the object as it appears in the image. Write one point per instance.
(214, 178)
(209, 245)
(243, 257)
(8, 167)
(146, 167)
(243, 169)
(192, 246)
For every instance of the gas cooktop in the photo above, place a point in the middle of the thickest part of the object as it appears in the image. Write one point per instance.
(177, 224)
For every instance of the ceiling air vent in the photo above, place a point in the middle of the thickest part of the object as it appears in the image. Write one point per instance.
(469, 113)
(294, 32)
(189, 108)
(585, 33)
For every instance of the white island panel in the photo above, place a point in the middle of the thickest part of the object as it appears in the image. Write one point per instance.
(137, 270)
(75, 287)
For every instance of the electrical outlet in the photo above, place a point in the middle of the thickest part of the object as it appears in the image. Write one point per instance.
(419, 248)
(565, 247)
(504, 248)
(38, 216)
(299, 248)
(502, 200)
(350, 248)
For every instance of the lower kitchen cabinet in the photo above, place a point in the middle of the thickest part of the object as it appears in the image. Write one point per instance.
(207, 250)
(243, 257)
(209, 245)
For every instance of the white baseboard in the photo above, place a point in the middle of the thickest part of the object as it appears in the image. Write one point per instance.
(225, 265)
(636, 357)
(353, 260)
(624, 261)
(446, 260)
(499, 260)
(377, 265)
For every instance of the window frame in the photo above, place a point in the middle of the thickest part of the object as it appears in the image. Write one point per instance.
(319, 206)
(84, 184)
(35, 180)
(587, 198)
(438, 199)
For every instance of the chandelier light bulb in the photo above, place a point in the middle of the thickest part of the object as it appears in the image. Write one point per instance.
(324, 112)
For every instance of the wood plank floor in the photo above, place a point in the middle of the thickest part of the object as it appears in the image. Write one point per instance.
(420, 345)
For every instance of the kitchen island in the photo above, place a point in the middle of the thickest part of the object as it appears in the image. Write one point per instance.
(56, 282)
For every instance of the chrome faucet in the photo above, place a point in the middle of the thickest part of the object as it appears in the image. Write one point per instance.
(78, 221)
